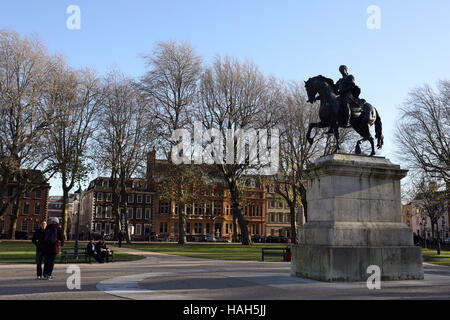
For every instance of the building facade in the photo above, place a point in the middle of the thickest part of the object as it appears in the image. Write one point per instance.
(32, 207)
(97, 203)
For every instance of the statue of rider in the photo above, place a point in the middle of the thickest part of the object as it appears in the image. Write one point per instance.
(347, 88)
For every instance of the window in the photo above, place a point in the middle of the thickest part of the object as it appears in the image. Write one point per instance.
(208, 230)
(197, 228)
(38, 194)
(280, 217)
(164, 207)
(139, 198)
(272, 217)
(131, 198)
(188, 228)
(280, 205)
(26, 209)
(138, 229)
(98, 212)
(98, 227)
(24, 226)
(130, 213)
(148, 213)
(37, 209)
(108, 212)
(109, 197)
(138, 213)
(107, 228)
(148, 198)
(99, 196)
(163, 227)
(26, 195)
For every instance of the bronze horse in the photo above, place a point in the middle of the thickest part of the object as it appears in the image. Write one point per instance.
(363, 116)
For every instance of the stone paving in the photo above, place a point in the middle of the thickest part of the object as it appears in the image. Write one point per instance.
(169, 277)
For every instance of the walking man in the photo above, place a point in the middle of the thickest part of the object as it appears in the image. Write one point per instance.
(38, 241)
(54, 238)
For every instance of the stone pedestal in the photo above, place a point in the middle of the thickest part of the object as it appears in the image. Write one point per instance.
(355, 221)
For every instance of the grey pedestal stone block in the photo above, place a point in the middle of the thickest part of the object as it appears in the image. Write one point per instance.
(354, 221)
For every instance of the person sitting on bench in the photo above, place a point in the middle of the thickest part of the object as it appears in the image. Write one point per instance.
(91, 251)
(102, 250)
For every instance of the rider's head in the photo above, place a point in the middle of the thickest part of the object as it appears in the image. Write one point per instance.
(343, 70)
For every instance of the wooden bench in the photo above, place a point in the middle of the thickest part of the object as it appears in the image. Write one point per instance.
(277, 252)
(67, 253)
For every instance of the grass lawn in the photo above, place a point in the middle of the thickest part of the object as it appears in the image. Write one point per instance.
(430, 256)
(211, 251)
(25, 252)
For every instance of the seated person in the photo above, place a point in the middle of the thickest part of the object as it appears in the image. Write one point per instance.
(102, 250)
(91, 251)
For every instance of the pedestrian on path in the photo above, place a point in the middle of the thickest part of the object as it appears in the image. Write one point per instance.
(38, 241)
(53, 239)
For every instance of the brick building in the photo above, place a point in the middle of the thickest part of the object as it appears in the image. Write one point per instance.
(96, 212)
(32, 206)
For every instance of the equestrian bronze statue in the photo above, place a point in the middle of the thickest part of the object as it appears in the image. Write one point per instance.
(341, 107)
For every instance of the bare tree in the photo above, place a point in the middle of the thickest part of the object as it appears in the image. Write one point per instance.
(170, 88)
(295, 152)
(23, 69)
(433, 198)
(423, 132)
(236, 96)
(185, 185)
(73, 98)
(124, 140)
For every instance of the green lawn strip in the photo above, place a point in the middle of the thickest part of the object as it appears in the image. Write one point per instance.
(431, 256)
(25, 252)
(211, 251)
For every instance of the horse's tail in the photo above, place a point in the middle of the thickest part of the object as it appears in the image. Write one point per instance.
(379, 131)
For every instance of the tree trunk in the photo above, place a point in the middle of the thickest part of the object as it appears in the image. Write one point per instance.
(13, 221)
(304, 202)
(293, 223)
(181, 226)
(64, 219)
(243, 224)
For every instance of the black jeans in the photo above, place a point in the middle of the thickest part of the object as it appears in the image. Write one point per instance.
(49, 263)
(39, 261)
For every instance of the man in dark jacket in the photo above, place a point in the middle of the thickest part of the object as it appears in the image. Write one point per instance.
(91, 251)
(102, 250)
(38, 241)
(53, 239)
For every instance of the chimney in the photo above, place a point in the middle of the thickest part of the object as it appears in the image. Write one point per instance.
(151, 163)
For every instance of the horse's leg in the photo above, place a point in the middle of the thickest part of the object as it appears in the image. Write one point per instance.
(372, 143)
(312, 126)
(336, 136)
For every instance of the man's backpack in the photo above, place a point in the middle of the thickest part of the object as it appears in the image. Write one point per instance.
(51, 235)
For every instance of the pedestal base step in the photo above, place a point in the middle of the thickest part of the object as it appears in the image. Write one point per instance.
(349, 264)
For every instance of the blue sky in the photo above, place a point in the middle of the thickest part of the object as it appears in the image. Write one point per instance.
(292, 40)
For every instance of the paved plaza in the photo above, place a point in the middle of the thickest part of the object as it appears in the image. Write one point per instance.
(169, 277)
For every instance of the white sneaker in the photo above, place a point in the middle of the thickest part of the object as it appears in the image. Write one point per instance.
(39, 278)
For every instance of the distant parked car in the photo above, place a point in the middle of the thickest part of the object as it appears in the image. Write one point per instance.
(447, 241)
(222, 240)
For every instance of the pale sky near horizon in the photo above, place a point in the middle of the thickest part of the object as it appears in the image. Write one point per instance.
(292, 40)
